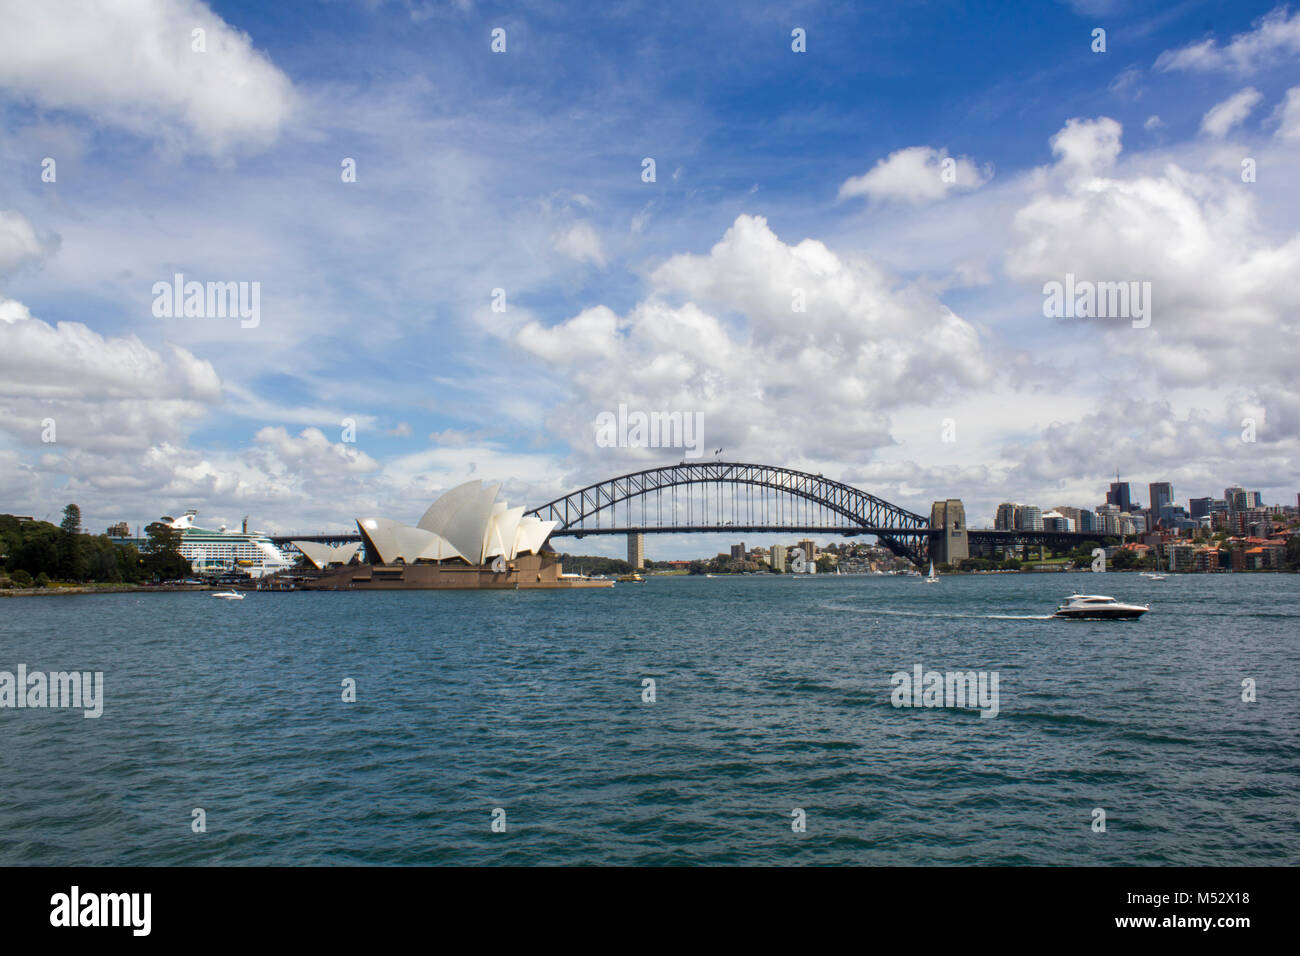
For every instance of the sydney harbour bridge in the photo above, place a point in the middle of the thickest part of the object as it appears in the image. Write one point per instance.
(717, 496)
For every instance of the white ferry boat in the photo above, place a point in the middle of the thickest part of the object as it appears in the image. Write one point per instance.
(253, 553)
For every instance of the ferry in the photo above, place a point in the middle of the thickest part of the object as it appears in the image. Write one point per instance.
(1098, 607)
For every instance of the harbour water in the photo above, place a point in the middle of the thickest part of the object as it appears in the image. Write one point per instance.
(771, 694)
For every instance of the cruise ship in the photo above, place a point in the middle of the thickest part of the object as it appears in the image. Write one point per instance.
(246, 550)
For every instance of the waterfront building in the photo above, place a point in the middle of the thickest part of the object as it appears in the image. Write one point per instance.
(738, 551)
(323, 556)
(466, 539)
(778, 557)
(809, 550)
(636, 550)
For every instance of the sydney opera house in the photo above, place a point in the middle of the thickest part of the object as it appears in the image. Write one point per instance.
(467, 539)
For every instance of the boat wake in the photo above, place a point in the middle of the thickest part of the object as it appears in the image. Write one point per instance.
(974, 617)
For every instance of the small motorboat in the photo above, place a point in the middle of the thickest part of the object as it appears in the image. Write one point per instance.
(1099, 607)
(231, 595)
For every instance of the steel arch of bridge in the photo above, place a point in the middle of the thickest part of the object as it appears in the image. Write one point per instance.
(580, 512)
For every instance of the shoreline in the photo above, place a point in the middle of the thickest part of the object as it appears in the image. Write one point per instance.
(102, 589)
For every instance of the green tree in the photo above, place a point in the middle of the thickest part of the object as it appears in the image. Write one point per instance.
(71, 520)
(71, 563)
(1123, 560)
(162, 557)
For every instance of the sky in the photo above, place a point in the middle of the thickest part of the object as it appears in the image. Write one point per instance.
(462, 260)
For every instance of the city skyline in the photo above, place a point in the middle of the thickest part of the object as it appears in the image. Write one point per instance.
(448, 268)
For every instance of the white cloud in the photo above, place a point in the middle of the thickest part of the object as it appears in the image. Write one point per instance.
(1275, 36)
(1288, 112)
(581, 243)
(1217, 282)
(132, 65)
(103, 393)
(1153, 123)
(719, 335)
(1224, 116)
(1087, 147)
(19, 244)
(916, 174)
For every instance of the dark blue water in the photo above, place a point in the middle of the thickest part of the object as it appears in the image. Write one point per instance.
(772, 694)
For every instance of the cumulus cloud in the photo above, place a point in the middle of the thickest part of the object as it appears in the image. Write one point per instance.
(103, 393)
(133, 65)
(762, 337)
(1087, 147)
(916, 175)
(1275, 36)
(1224, 116)
(1218, 283)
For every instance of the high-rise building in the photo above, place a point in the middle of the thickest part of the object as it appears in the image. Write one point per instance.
(636, 550)
(1235, 496)
(1081, 518)
(1055, 521)
(738, 551)
(1162, 493)
(119, 530)
(778, 557)
(809, 550)
(1200, 507)
(1029, 518)
(1120, 495)
(1006, 516)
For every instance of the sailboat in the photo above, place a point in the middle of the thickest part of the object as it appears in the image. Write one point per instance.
(932, 578)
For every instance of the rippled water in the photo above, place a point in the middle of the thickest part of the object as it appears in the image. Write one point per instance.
(772, 694)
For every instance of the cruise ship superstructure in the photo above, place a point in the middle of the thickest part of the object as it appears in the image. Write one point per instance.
(248, 551)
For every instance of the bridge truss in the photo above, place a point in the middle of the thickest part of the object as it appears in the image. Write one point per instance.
(714, 496)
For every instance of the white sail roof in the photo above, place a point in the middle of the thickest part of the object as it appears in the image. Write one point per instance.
(467, 522)
(323, 555)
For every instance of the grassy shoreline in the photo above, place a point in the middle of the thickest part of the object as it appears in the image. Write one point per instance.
(100, 589)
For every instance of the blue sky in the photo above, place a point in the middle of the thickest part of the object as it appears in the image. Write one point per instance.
(522, 171)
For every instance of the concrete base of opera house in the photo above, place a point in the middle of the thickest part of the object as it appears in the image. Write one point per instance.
(525, 571)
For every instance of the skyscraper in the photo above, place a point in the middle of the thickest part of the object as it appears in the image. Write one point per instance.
(1120, 494)
(636, 550)
(1162, 493)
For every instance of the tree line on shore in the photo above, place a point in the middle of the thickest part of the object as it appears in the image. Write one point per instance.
(37, 553)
